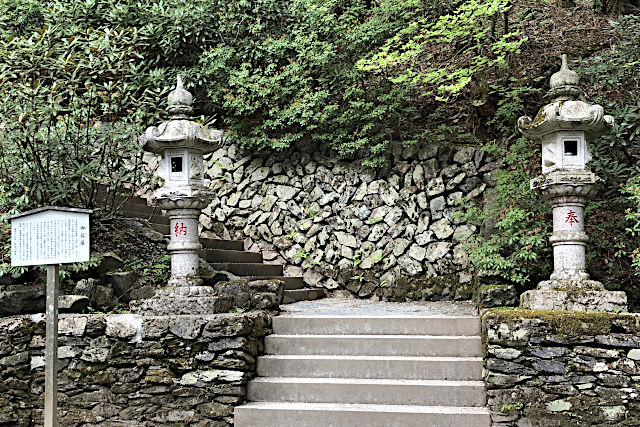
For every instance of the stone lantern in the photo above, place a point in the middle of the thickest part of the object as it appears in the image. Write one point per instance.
(182, 144)
(564, 128)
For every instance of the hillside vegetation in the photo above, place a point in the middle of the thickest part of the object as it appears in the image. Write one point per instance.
(79, 80)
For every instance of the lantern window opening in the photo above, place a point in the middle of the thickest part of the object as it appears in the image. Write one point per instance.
(176, 164)
(570, 147)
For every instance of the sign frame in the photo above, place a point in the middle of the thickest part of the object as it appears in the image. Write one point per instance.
(53, 281)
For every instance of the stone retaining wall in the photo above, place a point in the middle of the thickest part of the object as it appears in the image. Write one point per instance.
(128, 370)
(562, 368)
(345, 227)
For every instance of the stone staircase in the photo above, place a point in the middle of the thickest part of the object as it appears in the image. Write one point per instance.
(369, 371)
(222, 255)
(230, 256)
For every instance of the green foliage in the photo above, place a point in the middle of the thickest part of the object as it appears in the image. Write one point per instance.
(10, 204)
(284, 72)
(633, 219)
(518, 248)
(301, 254)
(79, 80)
(357, 260)
(150, 271)
(510, 406)
(613, 77)
(465, 33)
(74, 95)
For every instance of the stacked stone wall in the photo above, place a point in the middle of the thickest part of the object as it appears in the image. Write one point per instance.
(385, 233)
(129, 370)
(562, 368)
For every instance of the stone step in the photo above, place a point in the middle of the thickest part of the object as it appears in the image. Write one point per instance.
(290, 283)
(227, 255)
(381, 367)
(160, 228)
(295, 295)
(378, 325)
(232, 245)
(375, 345)
(349, 390)
(248, 269)
(289, 414)
(154, 218)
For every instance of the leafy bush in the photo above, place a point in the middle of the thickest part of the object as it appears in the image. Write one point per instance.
(613, 80)
(515, 246)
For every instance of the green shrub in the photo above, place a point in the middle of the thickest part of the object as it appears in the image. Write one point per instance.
(516, 222)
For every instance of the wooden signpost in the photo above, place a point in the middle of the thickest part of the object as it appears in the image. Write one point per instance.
(50, 236)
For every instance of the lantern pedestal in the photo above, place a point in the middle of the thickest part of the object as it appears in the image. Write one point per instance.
(570, 287)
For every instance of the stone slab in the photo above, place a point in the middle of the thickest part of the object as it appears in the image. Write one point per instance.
(574, 300)
(185, 305)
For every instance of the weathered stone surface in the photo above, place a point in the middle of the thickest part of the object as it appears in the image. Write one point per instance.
(86, 287)
(121, 283)
(176, 375)
(72, 303)
(555, 368)
(308, 200)
(489, 296)
(123, 325)
(108, 262)
(16, 299)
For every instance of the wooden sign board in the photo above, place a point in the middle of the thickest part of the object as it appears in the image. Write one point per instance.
(50, 235)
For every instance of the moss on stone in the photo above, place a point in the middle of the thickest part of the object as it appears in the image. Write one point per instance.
(539, 118)
(424, 288)
(489, 287)
(564, 323)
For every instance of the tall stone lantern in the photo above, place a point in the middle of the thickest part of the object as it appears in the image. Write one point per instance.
(564, 128)
(182, 144)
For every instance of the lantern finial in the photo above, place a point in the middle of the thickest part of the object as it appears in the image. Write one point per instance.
(565, 84)
(179, 100)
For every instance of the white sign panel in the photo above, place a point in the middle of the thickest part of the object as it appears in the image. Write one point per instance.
(50, 236)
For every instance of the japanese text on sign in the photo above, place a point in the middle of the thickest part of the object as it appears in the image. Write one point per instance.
(50, 237)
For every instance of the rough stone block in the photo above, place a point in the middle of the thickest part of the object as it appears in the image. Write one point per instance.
(488, 296)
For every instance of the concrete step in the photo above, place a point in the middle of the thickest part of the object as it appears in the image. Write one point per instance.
(378, 325)
(375, 345)
(295, 295)
(290, 283)
(349, 390)
(226, 255)
(232, 245)
(248, 269)
(288, 414)
(381, 367)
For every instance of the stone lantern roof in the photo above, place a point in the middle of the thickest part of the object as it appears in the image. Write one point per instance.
(566, 112)
(179, 131)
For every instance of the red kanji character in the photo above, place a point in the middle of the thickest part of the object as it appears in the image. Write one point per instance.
(183, 229)
(572, 218)
(176, 230)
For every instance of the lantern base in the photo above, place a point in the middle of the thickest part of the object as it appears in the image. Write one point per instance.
(169, 306)
(573, 295)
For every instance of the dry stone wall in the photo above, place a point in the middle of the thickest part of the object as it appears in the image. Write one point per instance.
(562, 368)
(131, 370)
(389, 233)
